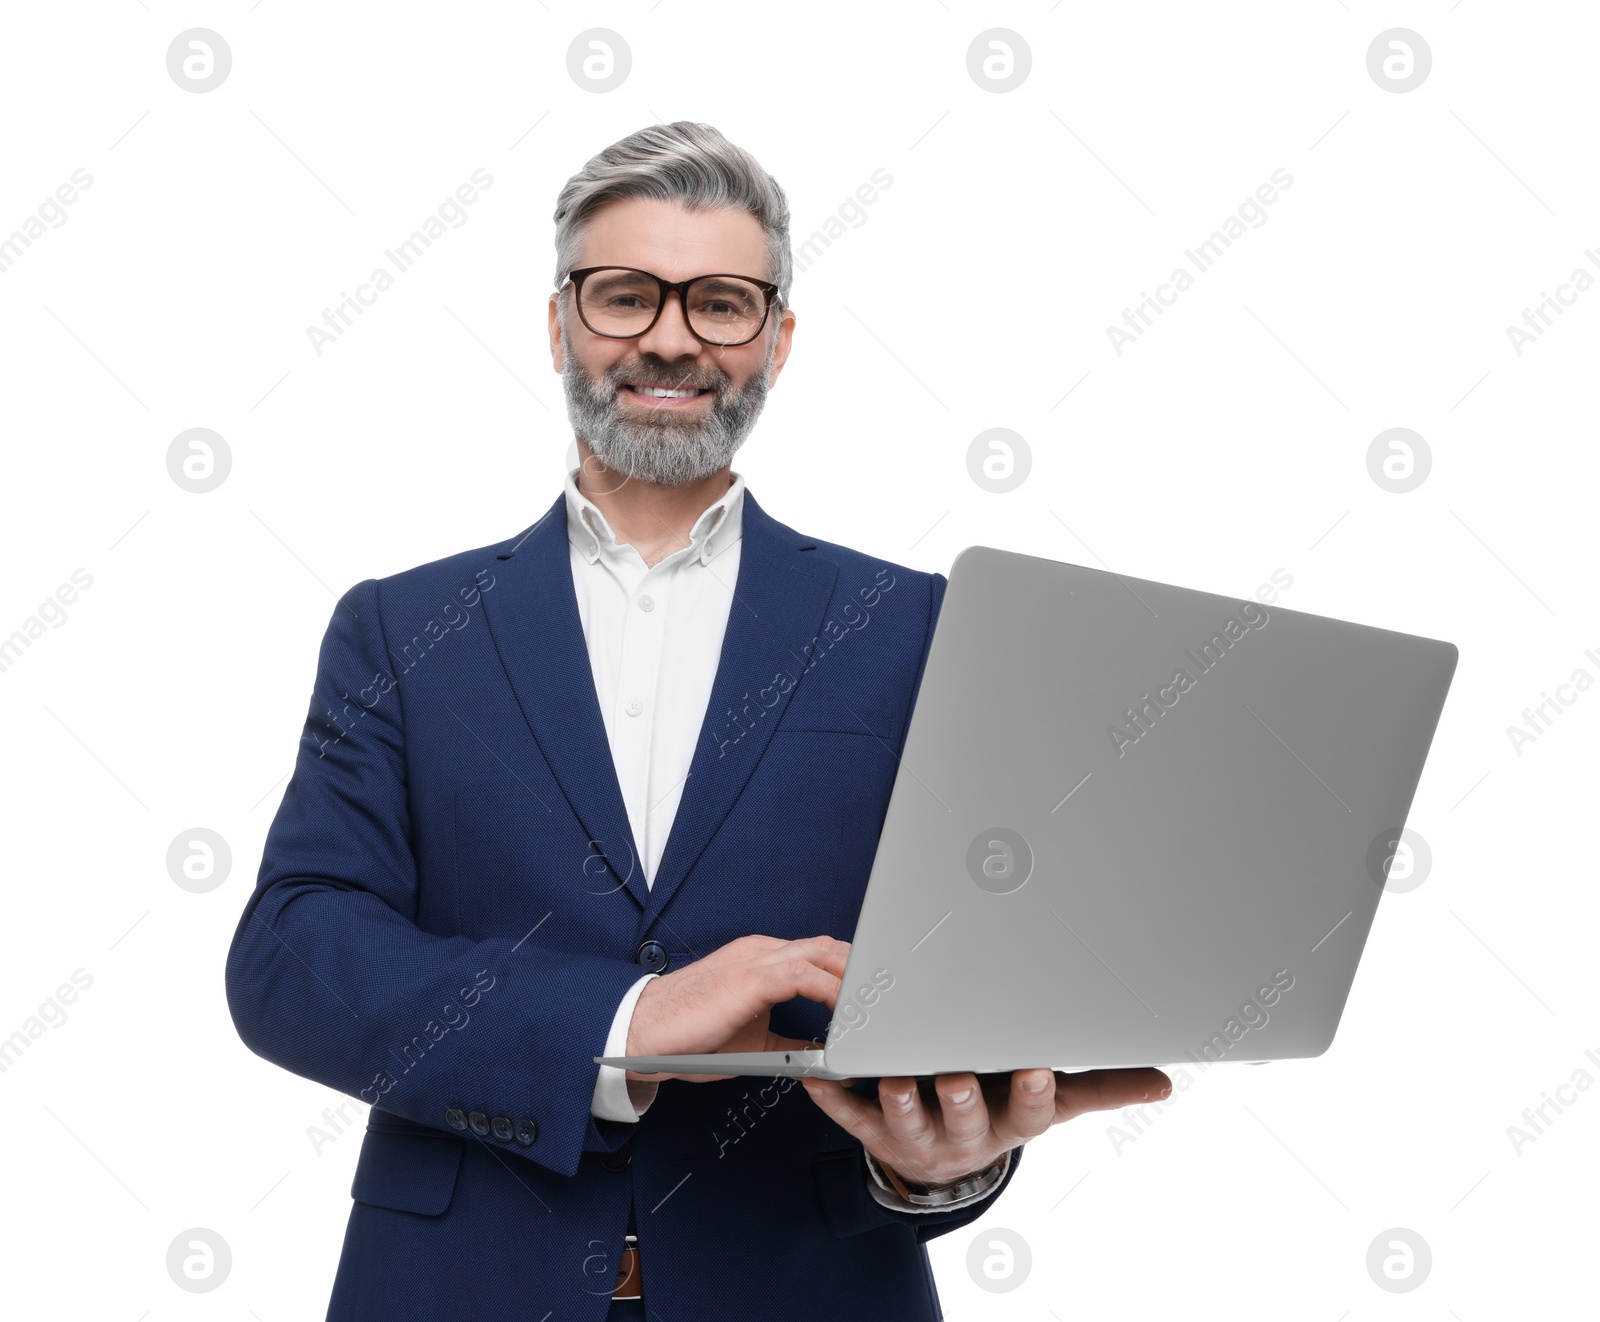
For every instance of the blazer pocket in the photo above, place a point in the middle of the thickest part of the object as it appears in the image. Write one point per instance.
(847, 1207)
(838, 717)
(407, 1172)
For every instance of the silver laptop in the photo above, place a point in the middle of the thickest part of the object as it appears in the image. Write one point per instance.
(1133, 824)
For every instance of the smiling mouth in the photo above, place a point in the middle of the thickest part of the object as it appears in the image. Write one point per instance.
(662, 392)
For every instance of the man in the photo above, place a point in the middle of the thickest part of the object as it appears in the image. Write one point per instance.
(611, 785)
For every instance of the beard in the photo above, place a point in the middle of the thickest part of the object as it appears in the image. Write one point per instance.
(667, 447)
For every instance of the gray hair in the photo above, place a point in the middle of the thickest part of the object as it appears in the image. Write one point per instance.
(691, 164)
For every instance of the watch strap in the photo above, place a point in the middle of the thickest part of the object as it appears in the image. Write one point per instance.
(937, 1195)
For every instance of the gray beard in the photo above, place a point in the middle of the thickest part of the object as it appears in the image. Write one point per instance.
(666, 448)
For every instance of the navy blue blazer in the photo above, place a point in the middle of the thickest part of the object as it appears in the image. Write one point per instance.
(450, 909)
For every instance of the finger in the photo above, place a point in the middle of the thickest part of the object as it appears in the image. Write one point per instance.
(965, 1114)
(1030, 1107)
(773, 982)
(1108, 1090)
(746, 947)
(741, 950)
(855, 1115)
(860, 1117)
(757, 944)
(824, 951)
(909, 1121)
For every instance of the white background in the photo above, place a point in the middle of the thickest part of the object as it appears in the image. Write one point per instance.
(1228, 442)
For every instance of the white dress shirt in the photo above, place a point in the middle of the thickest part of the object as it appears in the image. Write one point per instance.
(654, 637)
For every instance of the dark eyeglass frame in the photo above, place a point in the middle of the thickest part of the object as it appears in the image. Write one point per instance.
(578, 275)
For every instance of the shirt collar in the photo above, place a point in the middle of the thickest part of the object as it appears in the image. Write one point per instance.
(718, 527)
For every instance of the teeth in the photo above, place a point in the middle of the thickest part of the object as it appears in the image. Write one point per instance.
(658, 393)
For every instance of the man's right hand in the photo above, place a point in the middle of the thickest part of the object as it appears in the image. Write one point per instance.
(723, 1001)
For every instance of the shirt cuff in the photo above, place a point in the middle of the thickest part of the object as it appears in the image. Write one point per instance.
(616, 1097)
(884, 1192)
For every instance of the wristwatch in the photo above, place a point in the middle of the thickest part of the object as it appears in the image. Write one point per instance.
(938, 1195)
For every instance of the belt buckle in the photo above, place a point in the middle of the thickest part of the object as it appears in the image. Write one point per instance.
(627, 1283)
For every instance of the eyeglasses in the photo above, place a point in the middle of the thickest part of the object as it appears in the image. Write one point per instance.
(623, 302)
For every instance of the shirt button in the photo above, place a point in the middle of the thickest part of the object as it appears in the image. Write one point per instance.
(634, 708)
(647, 603)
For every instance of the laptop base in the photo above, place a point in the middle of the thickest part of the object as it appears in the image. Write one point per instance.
(763, 1064)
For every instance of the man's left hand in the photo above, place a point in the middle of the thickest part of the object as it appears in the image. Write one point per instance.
(971, 1122)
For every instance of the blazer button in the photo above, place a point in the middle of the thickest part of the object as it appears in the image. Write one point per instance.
(455, 1118)
(502, 1128)
(527, 1131)
(479, 1123)
(653, 955)
(619, 1160)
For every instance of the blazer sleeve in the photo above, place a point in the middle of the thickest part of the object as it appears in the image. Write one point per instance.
(847, 1203)
(936, 590)
(614, 1093)
(330, 977)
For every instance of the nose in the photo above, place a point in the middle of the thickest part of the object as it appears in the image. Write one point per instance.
(670, 338)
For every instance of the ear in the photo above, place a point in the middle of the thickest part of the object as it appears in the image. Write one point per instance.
(557, 358)
(780, 354)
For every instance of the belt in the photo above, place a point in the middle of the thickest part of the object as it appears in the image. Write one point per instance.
(628, 1281)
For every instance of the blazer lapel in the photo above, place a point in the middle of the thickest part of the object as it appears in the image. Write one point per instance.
(532, 613)
(777, 611)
